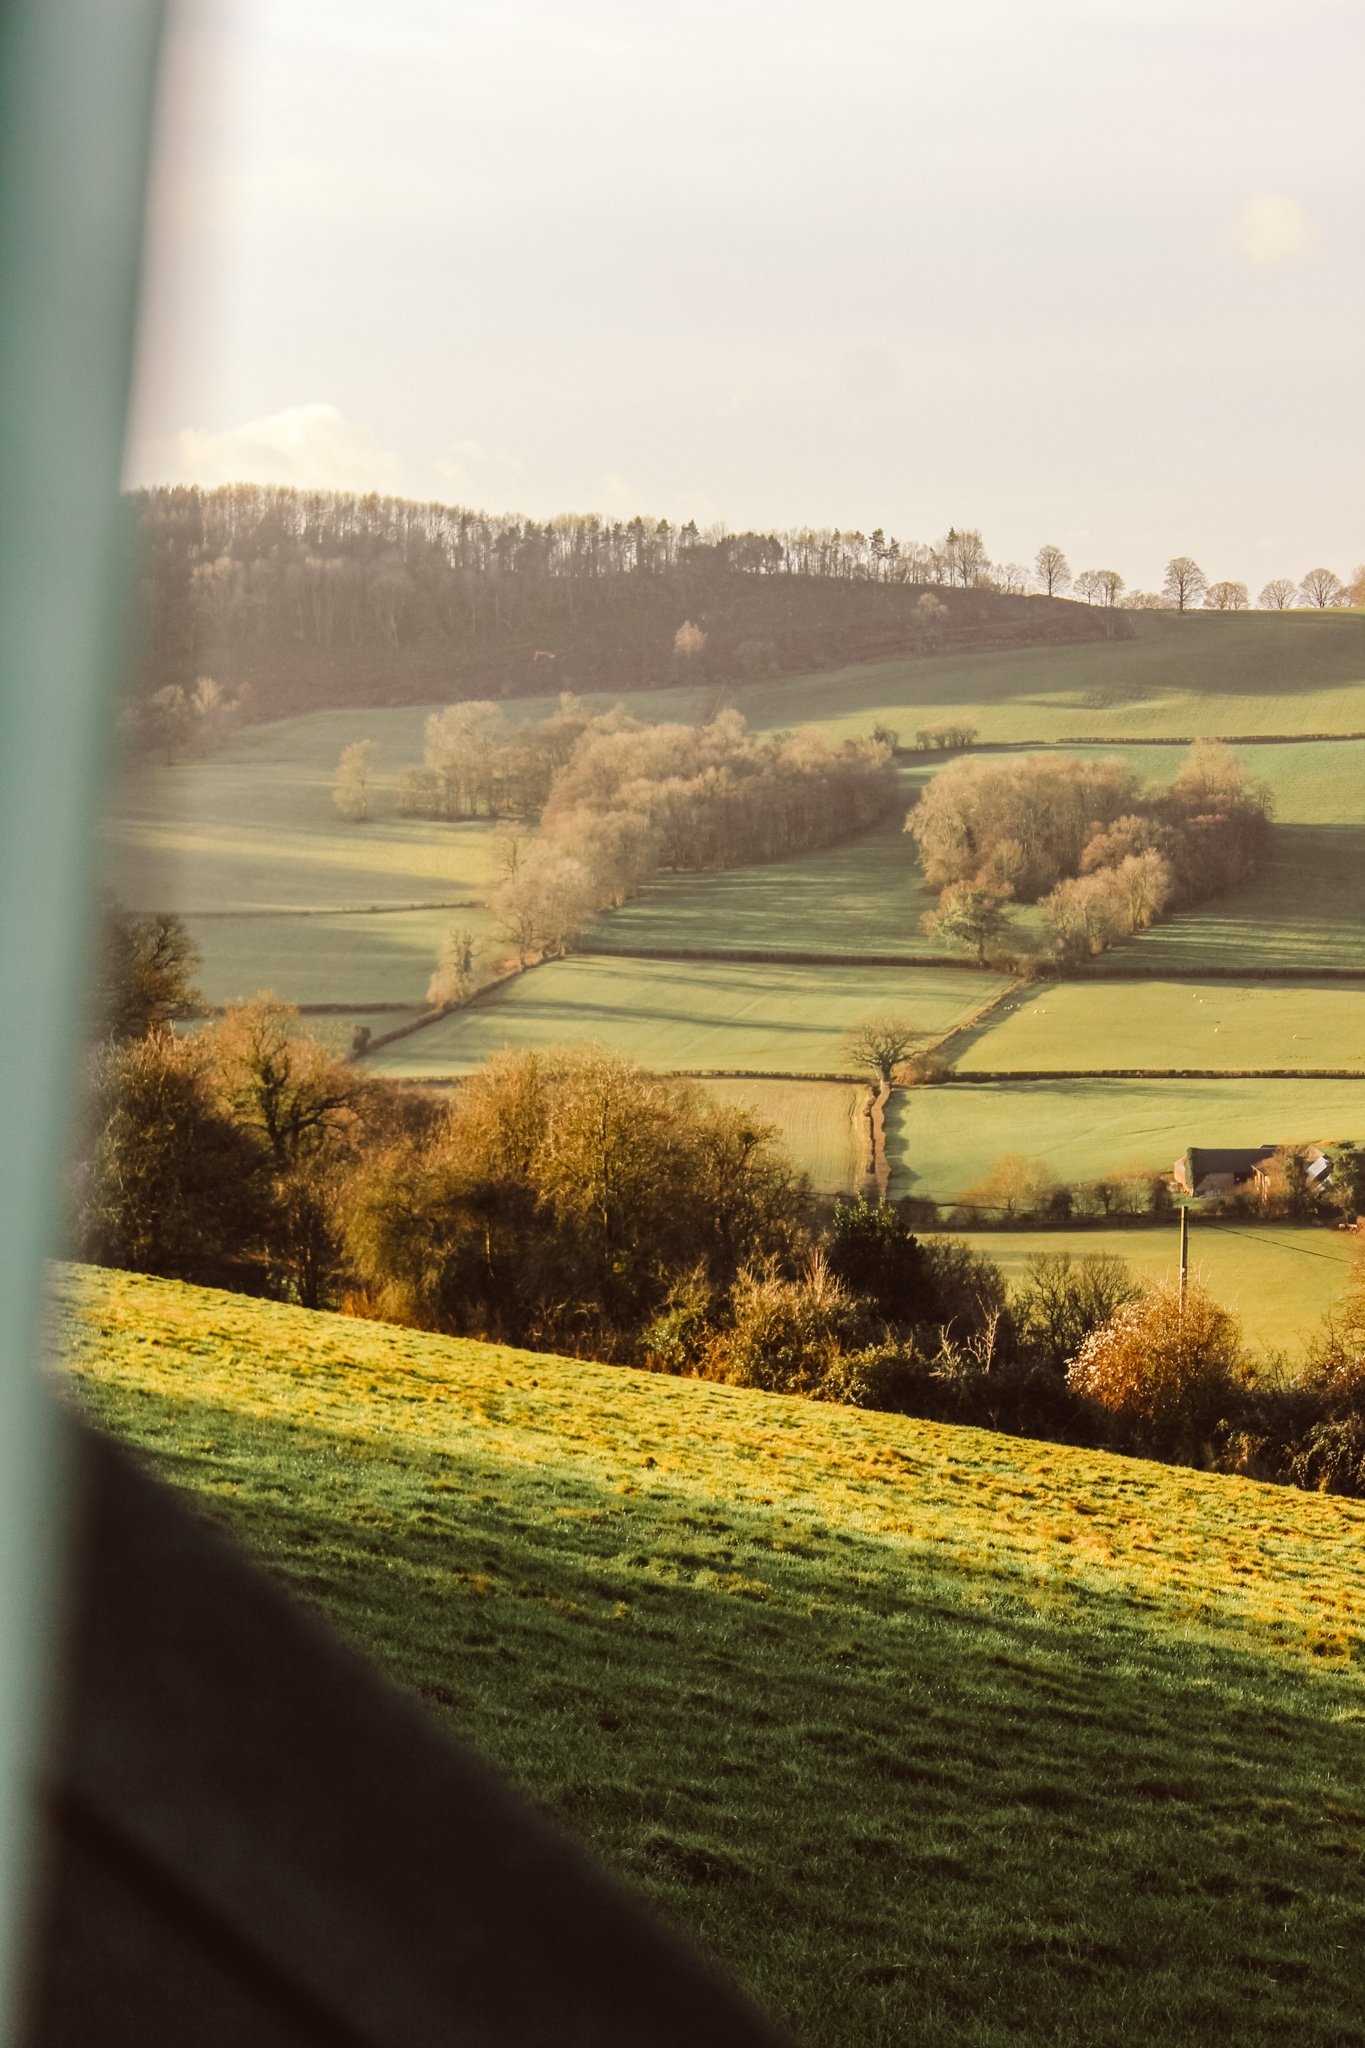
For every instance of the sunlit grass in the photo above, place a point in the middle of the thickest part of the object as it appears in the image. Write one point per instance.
(941, 1140)
(930, 1734)
(694, 1014)
(1197, 1024)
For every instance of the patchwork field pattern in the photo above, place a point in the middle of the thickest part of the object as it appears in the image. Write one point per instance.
(924, 1732)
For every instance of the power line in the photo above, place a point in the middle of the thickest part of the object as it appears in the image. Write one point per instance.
(1257, 1237)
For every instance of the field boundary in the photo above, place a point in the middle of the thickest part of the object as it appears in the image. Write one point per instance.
(1125, 739)
(771, 956)
(1157, 1074)
(345, 909)
(973, 1023)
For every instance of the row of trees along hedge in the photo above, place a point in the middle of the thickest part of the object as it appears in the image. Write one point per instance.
(1105, 857)
(574, 1201)
(619, 800)
(325, 597)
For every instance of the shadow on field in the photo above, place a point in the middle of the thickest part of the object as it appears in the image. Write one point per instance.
(901, 1795)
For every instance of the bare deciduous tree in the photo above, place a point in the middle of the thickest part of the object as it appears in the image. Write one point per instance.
(881, 1044)
(1278, 595)
(1322, 588)
(353, 794)
(1185, 582)
(1052, 570)
(456, 973)
(1226, 597)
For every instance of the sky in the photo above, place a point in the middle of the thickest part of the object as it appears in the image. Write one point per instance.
(1083, 271)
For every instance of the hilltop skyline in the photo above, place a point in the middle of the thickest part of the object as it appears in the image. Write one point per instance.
(1065, 275)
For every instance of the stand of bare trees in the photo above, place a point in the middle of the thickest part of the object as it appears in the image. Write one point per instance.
(633, 800)
(1105, 858)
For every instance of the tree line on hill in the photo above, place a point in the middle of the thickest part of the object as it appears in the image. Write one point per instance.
(1103, 857)
(1184, 586)
(573, 1201)
(325, 597)
(301, 598)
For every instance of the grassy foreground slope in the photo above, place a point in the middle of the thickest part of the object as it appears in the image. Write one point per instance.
(929, 1734)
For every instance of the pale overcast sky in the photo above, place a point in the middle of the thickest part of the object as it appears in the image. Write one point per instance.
(1076, 270)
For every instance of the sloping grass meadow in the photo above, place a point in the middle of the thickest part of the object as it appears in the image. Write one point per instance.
(1071, 1026)
(693, 1014)
(927, 1734)
(940, 1141)
(1216, 674)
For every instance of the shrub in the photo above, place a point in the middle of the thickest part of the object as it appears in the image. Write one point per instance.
(1160, 1363)
(1063, 1300)
(785, 1336)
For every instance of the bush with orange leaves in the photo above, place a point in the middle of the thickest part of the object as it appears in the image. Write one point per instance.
(1161, 1363)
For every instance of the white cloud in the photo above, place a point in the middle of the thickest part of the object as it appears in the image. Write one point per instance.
(474, 474)
(311, 446)
(1272, 228)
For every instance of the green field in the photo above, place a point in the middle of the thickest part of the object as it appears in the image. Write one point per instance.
(941, 1140)
(696, 1015)
(863, 897)
(1203, 673)
(1307, 905)
(928, 1734)
(821, 1123)
(1279, 1278)
(357, 958)
(252, 829)
(1071, 1026)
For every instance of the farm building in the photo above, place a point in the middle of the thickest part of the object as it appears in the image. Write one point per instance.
(1223, 1169)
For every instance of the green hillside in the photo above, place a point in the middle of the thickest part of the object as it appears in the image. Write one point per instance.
(929, 1734)
(1198, 673)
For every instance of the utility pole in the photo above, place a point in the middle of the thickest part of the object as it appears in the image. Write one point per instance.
(1184, 1252)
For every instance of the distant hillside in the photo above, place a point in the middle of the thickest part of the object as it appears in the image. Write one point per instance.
(319, 600)
(930, 1734)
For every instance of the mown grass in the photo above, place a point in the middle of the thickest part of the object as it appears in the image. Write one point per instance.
(928, 1734)
(1279, 1278)
(701, 1014)
(940, 1141)
(1210, 1024)
(1203, 673)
